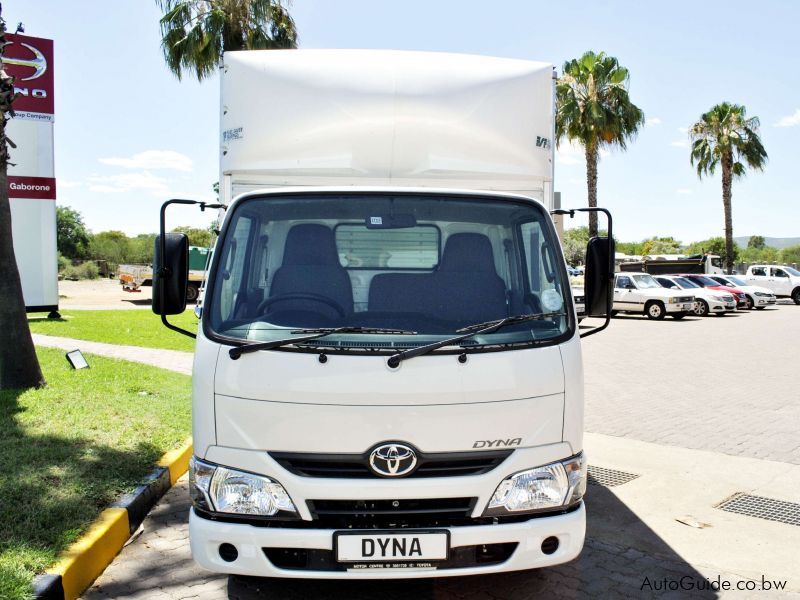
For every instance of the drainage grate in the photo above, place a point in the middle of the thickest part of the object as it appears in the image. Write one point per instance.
(762, 508)
(609, 477)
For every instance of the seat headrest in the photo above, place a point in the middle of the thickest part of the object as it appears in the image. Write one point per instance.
(468, 252)
(310, 244)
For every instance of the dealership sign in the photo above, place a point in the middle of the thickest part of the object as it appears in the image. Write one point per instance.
(31, 174)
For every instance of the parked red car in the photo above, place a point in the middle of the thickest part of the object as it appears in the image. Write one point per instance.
(742, 300)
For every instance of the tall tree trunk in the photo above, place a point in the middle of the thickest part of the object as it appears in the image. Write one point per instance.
(591, 186)
(727, 176)
(19, 366)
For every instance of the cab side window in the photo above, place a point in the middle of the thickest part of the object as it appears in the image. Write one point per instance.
(759, 271)
(779, 273)
(624, 283)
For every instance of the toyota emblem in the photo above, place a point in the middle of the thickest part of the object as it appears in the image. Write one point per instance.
(392, 459)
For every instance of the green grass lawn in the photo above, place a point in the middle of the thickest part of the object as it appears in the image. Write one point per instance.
(131, 327)
(69, 450)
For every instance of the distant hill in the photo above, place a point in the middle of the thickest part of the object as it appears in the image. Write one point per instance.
(770, 241)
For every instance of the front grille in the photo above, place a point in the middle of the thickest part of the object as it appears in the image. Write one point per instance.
(356, 466)
(392, 514)
(684, 299)
(461, 557)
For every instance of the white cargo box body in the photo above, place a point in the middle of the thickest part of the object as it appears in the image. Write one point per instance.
(386, 118)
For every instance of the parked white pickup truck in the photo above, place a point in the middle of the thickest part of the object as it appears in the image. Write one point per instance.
(641, 293)
(783, 281)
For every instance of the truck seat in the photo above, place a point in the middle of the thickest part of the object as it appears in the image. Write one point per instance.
(311, 266)
(465, 288)
(466, 285)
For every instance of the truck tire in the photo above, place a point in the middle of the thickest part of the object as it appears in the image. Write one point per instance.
(796, 295)
(192, 292)
(702, 308)
(655, 310)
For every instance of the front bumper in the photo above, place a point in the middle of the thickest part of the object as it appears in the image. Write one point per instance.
(764, 300)
(206, 536)
(716, 306)
(679, 307)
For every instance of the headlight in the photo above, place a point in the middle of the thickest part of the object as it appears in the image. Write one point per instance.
(227, 490)
(558, 484)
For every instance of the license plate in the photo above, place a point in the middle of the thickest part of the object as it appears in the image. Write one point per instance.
(391, 546)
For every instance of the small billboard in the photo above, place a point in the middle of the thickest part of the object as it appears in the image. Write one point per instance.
(31, 177)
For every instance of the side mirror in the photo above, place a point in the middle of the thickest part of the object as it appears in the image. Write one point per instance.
(599, 276)
(170, 274)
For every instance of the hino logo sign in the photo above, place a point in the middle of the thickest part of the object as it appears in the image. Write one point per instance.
(392, 459)
(38, 63)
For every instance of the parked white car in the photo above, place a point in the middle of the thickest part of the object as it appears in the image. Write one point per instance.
(580, 303)
(759, 297)
(706, 301)
(784, 282)
(641, 293)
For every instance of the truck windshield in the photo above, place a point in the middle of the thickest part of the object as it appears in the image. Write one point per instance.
(420, 266)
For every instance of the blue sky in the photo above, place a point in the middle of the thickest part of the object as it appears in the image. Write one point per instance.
(129, 135)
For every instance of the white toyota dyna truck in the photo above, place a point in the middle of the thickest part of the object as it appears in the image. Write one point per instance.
(387, 377)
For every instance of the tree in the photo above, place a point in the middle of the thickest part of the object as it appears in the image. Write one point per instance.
(661, 245)
(756, 241)
(197, 236)
(111, 246)
(195, 33)
(73, 238)
(19, 366)
(715, 245)
(791, 255)
(725, 137)
(594, 109)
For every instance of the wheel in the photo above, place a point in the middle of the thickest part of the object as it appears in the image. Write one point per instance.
(796, 295)
(678, 316)
(701, 310)
(655, 310)
(749, 303)
(192, 292)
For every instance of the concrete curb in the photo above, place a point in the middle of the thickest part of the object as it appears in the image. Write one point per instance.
(81, 563)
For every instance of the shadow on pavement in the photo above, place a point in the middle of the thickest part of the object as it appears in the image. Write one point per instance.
(623, 557)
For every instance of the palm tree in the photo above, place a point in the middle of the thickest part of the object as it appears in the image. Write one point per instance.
(726, 137)
(195, 33)
(593, 108)
(19, 367)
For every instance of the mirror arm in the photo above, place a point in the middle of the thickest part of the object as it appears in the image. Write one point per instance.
(165, 272)
(571, 213)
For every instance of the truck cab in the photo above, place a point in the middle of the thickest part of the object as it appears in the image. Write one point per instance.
(388, 379)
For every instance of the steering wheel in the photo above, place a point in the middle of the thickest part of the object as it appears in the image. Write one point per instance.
(267, 302)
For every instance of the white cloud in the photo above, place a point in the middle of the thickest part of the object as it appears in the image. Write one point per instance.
(680, 143)
(570, 153)
(790, 120)
(684, 191)
(152, 159)
(654, 121)
(64, 184)
(128, 182)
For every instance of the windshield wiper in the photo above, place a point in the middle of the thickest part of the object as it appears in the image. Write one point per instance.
(469, 331)
(316, 333)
